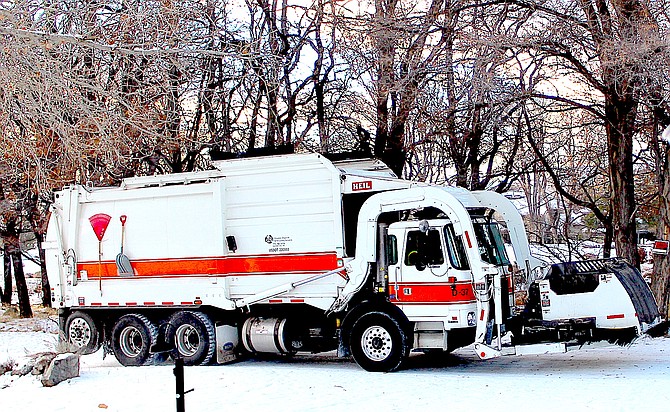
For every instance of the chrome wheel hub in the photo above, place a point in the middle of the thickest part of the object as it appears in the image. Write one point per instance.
(376, 343)
(130, 341)
(79, 332)
(187, 340)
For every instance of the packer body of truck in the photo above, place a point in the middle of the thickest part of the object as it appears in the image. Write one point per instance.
(294, 253)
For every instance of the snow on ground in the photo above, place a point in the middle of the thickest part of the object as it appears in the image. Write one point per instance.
(596, 379)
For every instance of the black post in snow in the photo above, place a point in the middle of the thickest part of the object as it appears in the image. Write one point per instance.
(179, 378)
(163, 346)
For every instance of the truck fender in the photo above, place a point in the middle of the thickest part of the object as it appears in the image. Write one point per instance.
(361, 309)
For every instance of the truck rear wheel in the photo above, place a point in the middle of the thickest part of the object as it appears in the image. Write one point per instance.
(378, 342)
(193, 336)
(82, 332)
(132, 337)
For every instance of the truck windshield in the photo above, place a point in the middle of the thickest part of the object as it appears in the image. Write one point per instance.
(491, 246)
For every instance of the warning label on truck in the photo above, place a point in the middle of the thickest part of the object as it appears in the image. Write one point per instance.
(278, 243)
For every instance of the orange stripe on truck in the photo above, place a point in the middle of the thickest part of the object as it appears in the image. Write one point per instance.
(432, 293)
(224, 265)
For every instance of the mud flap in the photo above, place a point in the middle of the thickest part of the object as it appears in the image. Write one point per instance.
(227, 341)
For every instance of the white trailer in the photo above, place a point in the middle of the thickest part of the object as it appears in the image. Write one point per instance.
(296, 253)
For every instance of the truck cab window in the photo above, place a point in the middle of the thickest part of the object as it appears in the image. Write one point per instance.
(424, 249)
(391, 250)
(455, 249)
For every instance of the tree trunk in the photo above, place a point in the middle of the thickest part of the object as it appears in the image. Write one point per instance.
(621, 113)
(320, 79)
(395, 154)
(381, 136)
(473, 143)
(38, 219)
(386, 49)
(13, 249)
(455, 148)
(262, 89)
(25, 311)
(459, 164)
(607, 242)
(660, 283)
(319, 94)
(7, 265)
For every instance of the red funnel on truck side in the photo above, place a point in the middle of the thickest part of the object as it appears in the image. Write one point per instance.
(99, 223)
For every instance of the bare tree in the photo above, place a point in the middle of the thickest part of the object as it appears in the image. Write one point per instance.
(605, 43)
(575, 162)
(394, 48)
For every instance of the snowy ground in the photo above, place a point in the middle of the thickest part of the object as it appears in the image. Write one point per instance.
(594, 379)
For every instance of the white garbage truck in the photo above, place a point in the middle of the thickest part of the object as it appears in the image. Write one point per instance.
(295, 253)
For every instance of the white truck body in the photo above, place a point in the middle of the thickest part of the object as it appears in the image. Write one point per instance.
(292, 247)
(286, 222)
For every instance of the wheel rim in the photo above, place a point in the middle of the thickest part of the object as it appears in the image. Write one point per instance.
(187, 340)
(376, 343)
(130, 341)
(79, 332)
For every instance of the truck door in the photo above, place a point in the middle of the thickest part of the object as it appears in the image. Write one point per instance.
(420, 270)
(431, 273)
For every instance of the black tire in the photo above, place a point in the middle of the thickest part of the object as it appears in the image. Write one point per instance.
(193, 336)
(132, 338)
(378, 342)
(83, 333)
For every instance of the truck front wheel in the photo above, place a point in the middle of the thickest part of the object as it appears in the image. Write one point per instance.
(83, 333)
(378, 342)
(132, 337)
(193, 336)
